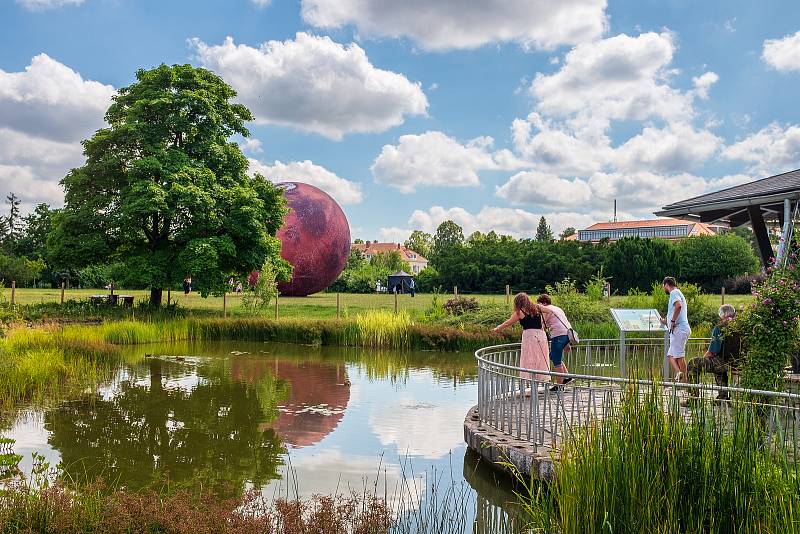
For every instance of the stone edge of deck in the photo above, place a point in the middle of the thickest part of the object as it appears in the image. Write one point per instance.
(497, 448)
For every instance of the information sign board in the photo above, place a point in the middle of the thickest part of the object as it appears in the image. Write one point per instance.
(637, 320)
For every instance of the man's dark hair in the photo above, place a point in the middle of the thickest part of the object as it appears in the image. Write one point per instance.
(544, 299)
(670, 281)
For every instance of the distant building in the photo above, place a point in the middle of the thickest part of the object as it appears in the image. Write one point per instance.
(671, 229)
(416, 261)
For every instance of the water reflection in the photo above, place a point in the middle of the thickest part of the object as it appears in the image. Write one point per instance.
(292, 420)
(146, 433)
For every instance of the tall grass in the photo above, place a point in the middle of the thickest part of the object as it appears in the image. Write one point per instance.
(647, 469)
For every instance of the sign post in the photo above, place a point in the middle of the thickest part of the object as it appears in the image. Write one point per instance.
(638, 320)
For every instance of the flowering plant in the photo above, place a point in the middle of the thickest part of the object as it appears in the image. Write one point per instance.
(770, 327)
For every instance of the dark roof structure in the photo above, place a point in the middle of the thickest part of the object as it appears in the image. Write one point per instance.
(752, 203)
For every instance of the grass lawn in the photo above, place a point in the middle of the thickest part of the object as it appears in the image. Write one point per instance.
(316, 306)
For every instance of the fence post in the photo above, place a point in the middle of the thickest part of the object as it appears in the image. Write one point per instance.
(225, 304)
(723, 294)
(62, 292)
(508, 294)
(13, 290)
(168, 297)
(395, 302)
(455, 292)
(276, 306)
(338, 307)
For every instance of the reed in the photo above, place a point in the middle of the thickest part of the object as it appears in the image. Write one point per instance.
(647, 469)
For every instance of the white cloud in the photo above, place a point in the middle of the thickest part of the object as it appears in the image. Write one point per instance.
(40, 5)
(552, 147)
(434, 159)
(50, 100)
(314, 84)
(703, 83)
(45, 112)
(619, 78)
(251, 145)
(566, 141)
(771, 150)
(261, 3)
(643, 192)
(675, 148)
(531, 187)
(783, 54)
(449, 24)
(344, 191)
(394, 234)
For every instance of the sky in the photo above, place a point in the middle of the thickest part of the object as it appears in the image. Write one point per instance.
(490, 113)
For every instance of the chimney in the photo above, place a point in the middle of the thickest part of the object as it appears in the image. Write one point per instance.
(398, 246)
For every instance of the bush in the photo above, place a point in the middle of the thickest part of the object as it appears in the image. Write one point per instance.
(578, 307)
(460, 305)
(708, 260)
(742, 285)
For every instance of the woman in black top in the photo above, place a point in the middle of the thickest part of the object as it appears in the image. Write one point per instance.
(535, 349)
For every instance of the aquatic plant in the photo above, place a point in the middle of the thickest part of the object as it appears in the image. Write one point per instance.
(647, 469)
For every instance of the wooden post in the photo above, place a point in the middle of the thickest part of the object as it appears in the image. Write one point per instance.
(723, 294)
(62, 292)
(395, 302)
(508, 294)
(13, 290)
(168, 296)
(338, 306)
(455, 292)
(276, 306)
(225, 304)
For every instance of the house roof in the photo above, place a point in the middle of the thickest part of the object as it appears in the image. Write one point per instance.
(695, 228)
(382, 248)
(752, 193)
(650, 223)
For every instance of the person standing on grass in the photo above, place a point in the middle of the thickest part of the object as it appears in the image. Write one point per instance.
(412, 287)
(677, 323)
(558, 325)
(534, 340)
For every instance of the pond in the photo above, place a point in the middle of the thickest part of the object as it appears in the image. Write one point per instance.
(292, 420)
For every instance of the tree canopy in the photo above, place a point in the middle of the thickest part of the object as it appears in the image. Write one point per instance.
(165, 192)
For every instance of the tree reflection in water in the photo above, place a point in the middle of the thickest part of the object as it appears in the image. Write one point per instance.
(215, 433)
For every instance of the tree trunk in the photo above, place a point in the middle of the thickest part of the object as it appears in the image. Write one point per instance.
(155, 297)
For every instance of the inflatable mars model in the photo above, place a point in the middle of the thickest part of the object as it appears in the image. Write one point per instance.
(315, 239)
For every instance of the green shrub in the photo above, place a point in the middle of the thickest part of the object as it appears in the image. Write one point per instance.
(646, 468)
(460, 305)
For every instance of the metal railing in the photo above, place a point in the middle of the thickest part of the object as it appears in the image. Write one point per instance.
(513, 401)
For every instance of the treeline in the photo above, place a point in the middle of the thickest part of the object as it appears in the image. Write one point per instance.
(486, 263)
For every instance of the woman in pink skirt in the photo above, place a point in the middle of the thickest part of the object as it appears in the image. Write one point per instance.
(535, 350)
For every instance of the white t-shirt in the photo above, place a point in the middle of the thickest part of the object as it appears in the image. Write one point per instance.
(556, 327)
(683, 318)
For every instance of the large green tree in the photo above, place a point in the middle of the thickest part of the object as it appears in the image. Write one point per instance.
(543, 231)
(709, 260)
(635, 263)
(420, 242)
(166, 192)
(33, 239)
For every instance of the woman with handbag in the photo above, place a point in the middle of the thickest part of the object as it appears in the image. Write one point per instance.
(562, 337)
(532, 317)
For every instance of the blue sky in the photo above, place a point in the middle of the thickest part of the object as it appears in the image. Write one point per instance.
(488, 112)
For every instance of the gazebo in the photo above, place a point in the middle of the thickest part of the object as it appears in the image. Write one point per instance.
(400, 280)
(775, 199)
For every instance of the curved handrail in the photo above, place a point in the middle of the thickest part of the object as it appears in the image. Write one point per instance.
(628, 381)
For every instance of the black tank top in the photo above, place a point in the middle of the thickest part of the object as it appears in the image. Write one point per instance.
(529, 322)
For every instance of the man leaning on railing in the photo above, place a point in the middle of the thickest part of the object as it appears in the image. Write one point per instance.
(721, 354)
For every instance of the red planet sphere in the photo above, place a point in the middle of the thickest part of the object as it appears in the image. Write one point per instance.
(315, 239)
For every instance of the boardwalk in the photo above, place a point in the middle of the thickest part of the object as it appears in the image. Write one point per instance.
(525, 422)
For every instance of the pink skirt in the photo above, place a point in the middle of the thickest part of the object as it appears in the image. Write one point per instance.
(535, 354)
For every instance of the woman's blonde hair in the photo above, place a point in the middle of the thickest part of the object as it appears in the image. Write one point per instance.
(522, 302)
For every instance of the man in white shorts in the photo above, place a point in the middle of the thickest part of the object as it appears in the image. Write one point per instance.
(677, 322)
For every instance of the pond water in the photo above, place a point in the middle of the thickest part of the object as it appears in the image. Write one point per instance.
(292, 420)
